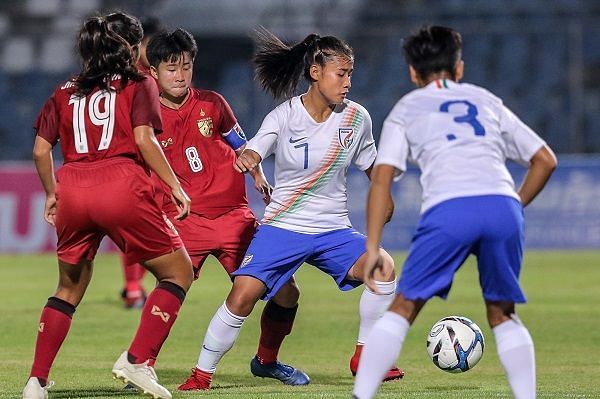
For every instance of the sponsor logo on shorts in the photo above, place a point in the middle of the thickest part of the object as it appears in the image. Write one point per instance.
(157, 312)
(41, 327)
(247, 259)
(167, 142)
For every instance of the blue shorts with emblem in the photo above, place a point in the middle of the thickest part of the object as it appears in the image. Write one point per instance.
(275, 254)
(489, 227)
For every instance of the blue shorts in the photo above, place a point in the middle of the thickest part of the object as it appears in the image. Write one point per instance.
(275, 254)
(489, 227)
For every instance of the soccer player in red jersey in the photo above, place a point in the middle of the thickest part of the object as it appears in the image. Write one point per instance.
(201, 140)
(105, 119)
(133, 293)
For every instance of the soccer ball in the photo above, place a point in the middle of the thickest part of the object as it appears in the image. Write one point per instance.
(455, 344)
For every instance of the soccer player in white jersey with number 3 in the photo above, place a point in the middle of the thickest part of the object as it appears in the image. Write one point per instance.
(314, 137)
(460, 136)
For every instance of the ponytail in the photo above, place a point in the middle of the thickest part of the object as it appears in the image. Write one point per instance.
(278, 67)
(107, 47)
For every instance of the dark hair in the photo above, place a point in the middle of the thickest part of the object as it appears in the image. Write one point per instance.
(170, 46)
(433, 49)
(107, 46)
(151, 26)
(278, 67)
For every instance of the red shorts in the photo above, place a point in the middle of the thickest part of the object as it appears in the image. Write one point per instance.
(226, 237)
(113, 197)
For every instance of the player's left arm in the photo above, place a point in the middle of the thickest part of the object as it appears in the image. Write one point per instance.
(542, 164)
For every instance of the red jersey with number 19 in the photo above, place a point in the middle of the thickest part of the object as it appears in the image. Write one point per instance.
(100, 125)
(193, 142)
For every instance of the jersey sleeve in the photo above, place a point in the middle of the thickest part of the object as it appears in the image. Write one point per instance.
(265, 140)
(228, 119)
(46, 124)
(366, 151)
(521, 142)
(229, 128)
(393, 144)
(145, 110)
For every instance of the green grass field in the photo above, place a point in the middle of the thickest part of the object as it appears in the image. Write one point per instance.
(563, 316)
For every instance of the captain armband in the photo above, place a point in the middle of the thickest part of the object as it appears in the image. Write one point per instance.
(235, 137)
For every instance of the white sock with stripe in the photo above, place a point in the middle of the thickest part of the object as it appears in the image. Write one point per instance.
(223, 330)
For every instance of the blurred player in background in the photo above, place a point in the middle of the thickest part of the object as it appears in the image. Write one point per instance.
(133, 293)
(460, 136)
(201, 139)
(105, 119)
(315, 137)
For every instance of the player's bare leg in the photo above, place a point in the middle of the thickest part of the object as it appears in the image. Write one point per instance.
(372, 306)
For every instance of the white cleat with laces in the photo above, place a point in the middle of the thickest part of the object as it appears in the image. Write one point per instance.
(33, 389)
(142, 376)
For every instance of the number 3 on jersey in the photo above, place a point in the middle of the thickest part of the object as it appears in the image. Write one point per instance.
(105, 118)
(470, 117)
(194, 159)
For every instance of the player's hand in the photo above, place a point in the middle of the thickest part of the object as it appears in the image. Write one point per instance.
(182, 201)
(373, 263)
(247, 161)
(262, 186)
(50, 210)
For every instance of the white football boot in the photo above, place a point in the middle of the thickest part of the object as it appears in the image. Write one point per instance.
(33, 389)
(142, 376)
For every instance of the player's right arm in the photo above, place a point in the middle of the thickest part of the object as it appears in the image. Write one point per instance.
(145, 117)
(154, 157)
(42, 156)
(377, 209)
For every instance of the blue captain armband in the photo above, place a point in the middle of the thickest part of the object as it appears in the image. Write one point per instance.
(235, 137)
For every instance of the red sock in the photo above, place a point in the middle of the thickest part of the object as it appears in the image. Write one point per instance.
(55, 322)
(158, 315)
(275, 323)
(133, 273)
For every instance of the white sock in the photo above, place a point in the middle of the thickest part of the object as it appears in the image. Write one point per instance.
(372, 306)
(221, 334)
(380, 353)
(516, 352)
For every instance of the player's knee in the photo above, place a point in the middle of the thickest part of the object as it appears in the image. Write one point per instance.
(288, 295)
(243, 295)
(387, 272)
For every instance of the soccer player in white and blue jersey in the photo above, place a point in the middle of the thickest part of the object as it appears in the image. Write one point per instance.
(315, 137)
(460, 136)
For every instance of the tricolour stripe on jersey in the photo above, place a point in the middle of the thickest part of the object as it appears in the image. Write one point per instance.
(441, 84)
(334, 157)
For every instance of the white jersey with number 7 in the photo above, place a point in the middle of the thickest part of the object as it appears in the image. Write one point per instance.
(311, 163)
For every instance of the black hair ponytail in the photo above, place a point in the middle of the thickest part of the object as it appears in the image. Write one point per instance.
(278, 67)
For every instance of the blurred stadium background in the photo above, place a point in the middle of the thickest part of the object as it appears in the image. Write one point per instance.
(542, 57)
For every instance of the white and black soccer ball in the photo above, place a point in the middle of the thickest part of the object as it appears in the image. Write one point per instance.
(455, 344)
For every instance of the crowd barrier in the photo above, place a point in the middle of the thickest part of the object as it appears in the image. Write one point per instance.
(566, 215)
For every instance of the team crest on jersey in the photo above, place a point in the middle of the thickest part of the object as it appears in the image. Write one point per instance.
(247, 259)
(346, 137)
(205, 125)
